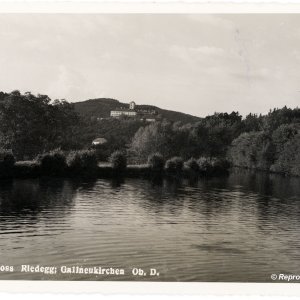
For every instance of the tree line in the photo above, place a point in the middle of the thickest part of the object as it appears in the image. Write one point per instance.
(31, 125)
(34, 124)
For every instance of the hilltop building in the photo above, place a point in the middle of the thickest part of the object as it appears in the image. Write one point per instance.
(133, 112)
(132, 105)
(99, 141)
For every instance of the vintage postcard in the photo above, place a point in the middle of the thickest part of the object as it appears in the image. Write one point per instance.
(150, 148)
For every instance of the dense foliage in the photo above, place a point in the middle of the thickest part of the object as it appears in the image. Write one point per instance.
(211, 166)
(156, 162)
(32, 125)
(82, 163)
(118, 161)
(267, 142)
(7, 162)
(209, 137)
(274, 147)
(174, 165)
(118, 133)
(192, 165)
(53, 163)
(288, 161)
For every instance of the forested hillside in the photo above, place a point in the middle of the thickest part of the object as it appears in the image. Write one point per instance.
(100, 108)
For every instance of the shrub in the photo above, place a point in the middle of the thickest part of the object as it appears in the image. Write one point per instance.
(213, 166)
(220, 166)
(205, 165)
(118, 161)
(7, 158)
(174, 165)
(7, 161)
(192, 165)
(53, 163)
(156, 162)
(27, 169)
(82, 163)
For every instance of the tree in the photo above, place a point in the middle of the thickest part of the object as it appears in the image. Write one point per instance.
(252, 122)
(282, 135)
(252, 150)
(288, 161)
(277, 117)
(156, 137)
(31, 125)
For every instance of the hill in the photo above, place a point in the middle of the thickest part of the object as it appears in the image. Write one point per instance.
(101, 107)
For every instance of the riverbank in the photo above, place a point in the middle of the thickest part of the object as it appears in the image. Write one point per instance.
(33, 169)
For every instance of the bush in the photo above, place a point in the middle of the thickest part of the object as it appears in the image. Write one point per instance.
(7, 161)
(205, 166)
(7, 158)
(156, 162)
(174, 165)
(27, 169)
(118, 161)
(53, 163)
(82, 163)
(220, 166)
(213, 166)
(192, 165)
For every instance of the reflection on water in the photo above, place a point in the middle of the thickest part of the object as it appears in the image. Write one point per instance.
(243, 227)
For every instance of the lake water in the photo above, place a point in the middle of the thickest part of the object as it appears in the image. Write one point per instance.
(243, 227)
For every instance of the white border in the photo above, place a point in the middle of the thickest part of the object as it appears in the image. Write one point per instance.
(152, 288)
(119, 7)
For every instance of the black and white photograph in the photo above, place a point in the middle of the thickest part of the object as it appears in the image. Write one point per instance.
(150, 147)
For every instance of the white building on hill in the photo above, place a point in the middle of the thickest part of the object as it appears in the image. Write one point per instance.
(99, 141)
(132, 111)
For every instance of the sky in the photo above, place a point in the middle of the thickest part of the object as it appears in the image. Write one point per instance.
(193, 63)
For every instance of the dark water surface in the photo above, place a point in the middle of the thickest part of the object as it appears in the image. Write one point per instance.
(239, 228)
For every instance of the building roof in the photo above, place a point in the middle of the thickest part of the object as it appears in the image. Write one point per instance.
(99, 141)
